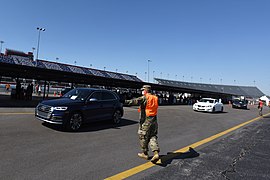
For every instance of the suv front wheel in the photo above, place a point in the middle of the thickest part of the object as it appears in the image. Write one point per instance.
(117, 116)
(74, 122)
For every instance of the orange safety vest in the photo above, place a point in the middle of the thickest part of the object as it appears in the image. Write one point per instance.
(260, 104)
(151, 105)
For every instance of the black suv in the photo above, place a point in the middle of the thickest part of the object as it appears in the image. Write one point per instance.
(79, 106)
(241, 104)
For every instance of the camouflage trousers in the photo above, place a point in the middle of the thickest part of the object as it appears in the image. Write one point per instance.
(148, 134)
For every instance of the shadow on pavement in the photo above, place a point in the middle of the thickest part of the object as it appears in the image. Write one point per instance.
(167, 159)
(95, 126)
(217, 112)
(268, 116)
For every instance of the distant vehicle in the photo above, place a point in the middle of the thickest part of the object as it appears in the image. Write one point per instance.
(208, 105)
(81, 105)
(241, 104)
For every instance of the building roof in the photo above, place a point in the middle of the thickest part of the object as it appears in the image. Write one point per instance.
(247, 91)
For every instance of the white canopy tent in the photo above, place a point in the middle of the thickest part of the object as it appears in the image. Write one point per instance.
(266, 99)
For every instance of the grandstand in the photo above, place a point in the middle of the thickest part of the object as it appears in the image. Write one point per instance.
(247, 91)
(24, 61)
(16, 66)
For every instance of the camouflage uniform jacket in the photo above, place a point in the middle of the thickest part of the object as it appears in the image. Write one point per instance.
(141, 101)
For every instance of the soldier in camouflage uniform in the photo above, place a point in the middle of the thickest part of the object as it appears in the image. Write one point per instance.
(148, 126)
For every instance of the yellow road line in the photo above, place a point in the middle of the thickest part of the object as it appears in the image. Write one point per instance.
(10, 113)
(148, 165)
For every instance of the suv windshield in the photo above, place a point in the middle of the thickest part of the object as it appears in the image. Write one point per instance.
(240, 101)
(207, 100)
(78, 94)
(236, 101)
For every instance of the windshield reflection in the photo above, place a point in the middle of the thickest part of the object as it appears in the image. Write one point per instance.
(78, 94)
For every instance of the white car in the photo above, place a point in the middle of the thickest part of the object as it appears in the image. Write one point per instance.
(208, 105)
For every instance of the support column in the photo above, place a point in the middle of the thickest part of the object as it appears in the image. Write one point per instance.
(44, 89)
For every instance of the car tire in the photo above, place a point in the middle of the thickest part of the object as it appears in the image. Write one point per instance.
(117, 116)
(75, 122)
(214, 109)
(222, 109)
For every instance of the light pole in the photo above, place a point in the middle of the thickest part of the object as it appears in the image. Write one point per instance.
(116, 70)
(39, 29)
(183, 78)
(254, 82)
(176, 77)
(145, 75)
(1, 46)
(104, 68)
(160, 75)
(153, 76)
(221, 81)
(148, 61)
(91, 65)
(75, 62)
(57, 59)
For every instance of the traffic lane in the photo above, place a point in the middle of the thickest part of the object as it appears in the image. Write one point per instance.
(184, 126)
(32, 150)
(98, 151)
(180, 126)
(242, 155)
(15, 110)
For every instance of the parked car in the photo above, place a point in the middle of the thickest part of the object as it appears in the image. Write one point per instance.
(242, 104)
(81, 105)
(208, 105)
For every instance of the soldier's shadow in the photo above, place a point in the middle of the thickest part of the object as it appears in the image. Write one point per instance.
(167, 159)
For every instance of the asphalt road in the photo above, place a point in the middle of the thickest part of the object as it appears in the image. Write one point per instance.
(30, 149)
(243, 155)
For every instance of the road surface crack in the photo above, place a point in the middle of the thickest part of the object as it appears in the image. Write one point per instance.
(243, 152)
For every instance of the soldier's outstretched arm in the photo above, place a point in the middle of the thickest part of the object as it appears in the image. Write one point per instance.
(135, 101)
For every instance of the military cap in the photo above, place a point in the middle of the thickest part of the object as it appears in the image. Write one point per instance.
(147, 87)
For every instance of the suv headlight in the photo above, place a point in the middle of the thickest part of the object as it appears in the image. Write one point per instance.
(60, 108)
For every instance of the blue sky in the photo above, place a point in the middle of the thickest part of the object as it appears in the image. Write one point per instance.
(196, 40)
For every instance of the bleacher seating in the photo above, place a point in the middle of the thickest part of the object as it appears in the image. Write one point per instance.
(96, 72)
(6, 59)
(127, 77)
(86, 71)
(76, 69)
(113, 75)
(24, 61)
(50, 65)
(64, 68)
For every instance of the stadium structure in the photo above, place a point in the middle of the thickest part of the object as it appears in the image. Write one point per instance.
(16, 64)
